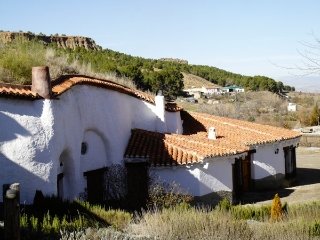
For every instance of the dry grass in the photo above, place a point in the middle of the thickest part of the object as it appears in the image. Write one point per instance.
(180, 223)
(300, 221)
(190, 81)
(190, 224)
(261, 107)
(18, 58)
(59, 65)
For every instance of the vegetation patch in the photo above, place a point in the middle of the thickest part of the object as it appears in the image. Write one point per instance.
(54, 219)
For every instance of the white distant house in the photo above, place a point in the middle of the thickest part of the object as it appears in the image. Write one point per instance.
(232, 89)
(198, 92)
(62, 137)
(292, 107)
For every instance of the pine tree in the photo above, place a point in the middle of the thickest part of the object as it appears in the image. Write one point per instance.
(276, 209)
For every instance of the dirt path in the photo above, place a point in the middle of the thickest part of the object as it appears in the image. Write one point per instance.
(307, 187)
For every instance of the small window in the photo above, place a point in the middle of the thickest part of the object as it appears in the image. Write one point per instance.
(84, 148)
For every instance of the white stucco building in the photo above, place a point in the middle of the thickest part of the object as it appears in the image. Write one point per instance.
(292, 107)
(61, 137)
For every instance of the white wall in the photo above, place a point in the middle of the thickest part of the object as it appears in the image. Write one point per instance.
(267, 162)
(200, 179)
(292, 107)
(26, 145)
(37, 135)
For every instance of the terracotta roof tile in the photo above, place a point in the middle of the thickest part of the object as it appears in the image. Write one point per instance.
(64, 83)
(233, 137)
(18, 91)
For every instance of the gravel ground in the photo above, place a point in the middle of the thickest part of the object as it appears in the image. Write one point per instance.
(307, 187)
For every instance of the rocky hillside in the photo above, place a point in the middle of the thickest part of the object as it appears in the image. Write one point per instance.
(65, 42)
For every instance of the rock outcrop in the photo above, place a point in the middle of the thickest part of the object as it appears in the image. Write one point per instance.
(62, 41)
(175, 60)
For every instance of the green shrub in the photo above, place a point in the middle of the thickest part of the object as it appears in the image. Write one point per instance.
(18, 58)
(167, 195)
(224, 205)
(258, 213)
(34, 223)
(23, 221)
(116, 218)
(314, 229)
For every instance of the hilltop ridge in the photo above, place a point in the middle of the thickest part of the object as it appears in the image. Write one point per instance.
(62, 41)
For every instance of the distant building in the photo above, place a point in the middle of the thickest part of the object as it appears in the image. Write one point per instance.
(198, 92)
(211, 90)
(232, 89)
(292, 107)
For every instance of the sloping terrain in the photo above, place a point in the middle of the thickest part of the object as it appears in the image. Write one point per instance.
(193, 81)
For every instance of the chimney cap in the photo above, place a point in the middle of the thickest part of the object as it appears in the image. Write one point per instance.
(41, 83)
(212, 134)
(159, 93)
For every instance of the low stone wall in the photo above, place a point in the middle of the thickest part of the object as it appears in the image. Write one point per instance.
(310, 140)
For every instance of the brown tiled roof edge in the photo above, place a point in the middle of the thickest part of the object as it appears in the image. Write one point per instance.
(17, 91)
(65, 82)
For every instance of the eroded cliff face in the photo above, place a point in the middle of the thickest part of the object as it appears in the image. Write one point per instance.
(71, 42)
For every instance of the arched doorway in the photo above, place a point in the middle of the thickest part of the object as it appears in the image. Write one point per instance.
(65, 176)
(93, 166)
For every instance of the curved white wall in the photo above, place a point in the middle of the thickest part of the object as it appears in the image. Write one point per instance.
(95, 157)
(36, 135)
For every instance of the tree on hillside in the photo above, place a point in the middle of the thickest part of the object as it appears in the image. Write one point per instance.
(315, 115)
(134, 73)
(169, 81)
(280, 86)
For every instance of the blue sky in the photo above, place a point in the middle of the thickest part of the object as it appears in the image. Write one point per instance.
(249, 37)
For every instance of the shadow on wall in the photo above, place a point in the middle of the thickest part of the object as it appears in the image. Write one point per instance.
(23, 108)
(12, 172)
(10, 129)
(15, 173)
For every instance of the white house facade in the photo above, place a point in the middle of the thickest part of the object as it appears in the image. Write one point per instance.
(61, 136)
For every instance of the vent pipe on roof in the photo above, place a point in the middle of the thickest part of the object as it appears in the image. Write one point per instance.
(212, 135)
(41, 83)
(160, 113)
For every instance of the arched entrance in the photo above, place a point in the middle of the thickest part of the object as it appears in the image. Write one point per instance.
(65, 176)
(93, 166)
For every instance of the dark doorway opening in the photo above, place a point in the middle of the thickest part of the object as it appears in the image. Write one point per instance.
(60, 185)
(96, 185)
(137, 184)
(290, 162)
(241, 173)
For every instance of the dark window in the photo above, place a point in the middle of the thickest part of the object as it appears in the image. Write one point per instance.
(84, 148)
(96, 185)
(137, 184)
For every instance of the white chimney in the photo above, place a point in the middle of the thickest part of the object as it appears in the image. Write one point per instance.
(160, 113)
(212, 135)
